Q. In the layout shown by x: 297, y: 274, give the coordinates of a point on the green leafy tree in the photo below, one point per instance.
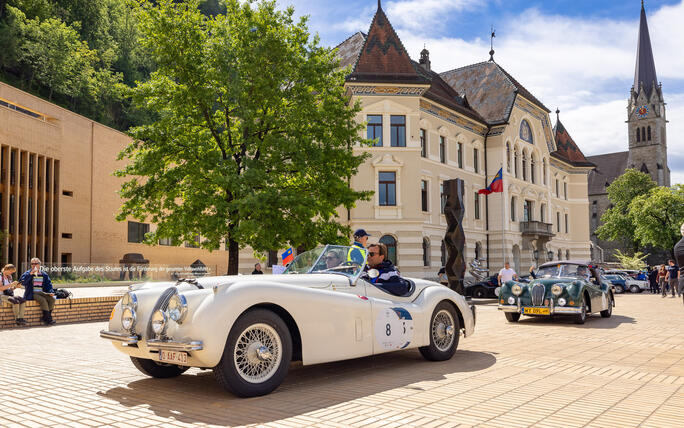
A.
x: 616, y: 223
x: 252, y: 138
x: 658, y: 216
x: 636, y: 261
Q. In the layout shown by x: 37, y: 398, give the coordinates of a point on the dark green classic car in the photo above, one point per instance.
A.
x: 558, y: 288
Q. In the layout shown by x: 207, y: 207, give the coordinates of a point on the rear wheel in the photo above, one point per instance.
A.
x: 635, y: 289
x: 444, y: 333
x: 158, y: 370
x: 512, y: 316
x: 619, y: 289
x: 608, y: 312
x: 256, y: 356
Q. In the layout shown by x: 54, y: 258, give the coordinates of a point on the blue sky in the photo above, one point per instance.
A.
x: 576, y: 55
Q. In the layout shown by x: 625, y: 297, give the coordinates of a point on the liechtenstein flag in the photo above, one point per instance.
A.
x: 287, y: 256
x: 495, y: 186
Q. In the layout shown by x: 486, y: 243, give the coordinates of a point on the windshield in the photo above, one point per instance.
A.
x: 564, y: 270
x: 339, y: 259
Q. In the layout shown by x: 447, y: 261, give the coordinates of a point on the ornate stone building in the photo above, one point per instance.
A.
x: 647, y: 141
x: 465, y: 123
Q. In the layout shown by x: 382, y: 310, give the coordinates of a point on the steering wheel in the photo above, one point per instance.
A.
x: 350, y: 263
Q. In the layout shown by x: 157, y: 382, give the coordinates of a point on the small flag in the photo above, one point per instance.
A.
x: 287, y: 256
x: 495, y: 186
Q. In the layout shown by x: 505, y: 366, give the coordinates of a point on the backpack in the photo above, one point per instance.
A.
x: 62, y: 293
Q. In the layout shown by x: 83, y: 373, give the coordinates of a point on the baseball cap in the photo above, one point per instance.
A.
x: 360, y: 233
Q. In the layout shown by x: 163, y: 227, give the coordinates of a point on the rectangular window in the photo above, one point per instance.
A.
x: 513, y: 201
x: 476, y: 201
x: 68, y: 193
x: 565, y: 190
x: 566, y: 223
x: 424, y: 194
x: 423, y: 143
x: 398, y: 131
x: 137, y: 231
x: 374, y: 130
x: 442, y: 198
x: 67, y: 235
x: 527, y: 214
x: 476, y: 161
x: 557, y: 189
x: 558, y: 222
x: 442, y: 149
x: 166, y: 242
x: 387, y: 188
x: 459, y: 155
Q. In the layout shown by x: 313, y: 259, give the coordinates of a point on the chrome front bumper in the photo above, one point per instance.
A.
x: 560, y: 310
x: 128, y: 339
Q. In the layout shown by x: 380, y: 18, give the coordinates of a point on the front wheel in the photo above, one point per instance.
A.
x: 582, y: 316
x: 608, y: 312
x: 619, y: 289
x: 634, y: 289
x: 257, y: 354
x: 444, y: 333
x: 158, y: 370
x: 512, y: 316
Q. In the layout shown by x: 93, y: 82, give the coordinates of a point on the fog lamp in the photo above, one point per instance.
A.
x: 511, y: 300
x: 128, y: 319
x: 159, y: 322
x: 561, y: 302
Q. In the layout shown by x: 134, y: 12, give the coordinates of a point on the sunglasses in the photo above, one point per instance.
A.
x: 35, y: 264
x: 371, y: 254
x: 332, y: 258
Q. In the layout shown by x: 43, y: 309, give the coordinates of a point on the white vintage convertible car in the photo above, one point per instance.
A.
x: 249, y: 328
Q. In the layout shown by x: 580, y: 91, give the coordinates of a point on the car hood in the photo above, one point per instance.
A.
x: 304, y: 280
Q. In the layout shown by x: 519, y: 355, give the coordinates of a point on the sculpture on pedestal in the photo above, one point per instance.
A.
x: 454, y: 238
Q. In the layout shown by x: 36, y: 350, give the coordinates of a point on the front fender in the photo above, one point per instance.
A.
x: 432, y: 295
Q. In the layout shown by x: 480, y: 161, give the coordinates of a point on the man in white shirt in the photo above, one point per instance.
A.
x: 507, y: 274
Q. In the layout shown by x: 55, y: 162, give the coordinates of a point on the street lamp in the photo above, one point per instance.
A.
x: 550, y: 255
x: 535, y: 254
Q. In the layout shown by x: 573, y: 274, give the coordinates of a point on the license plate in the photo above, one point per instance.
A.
x: 536, y: 311
x: 173, y: 357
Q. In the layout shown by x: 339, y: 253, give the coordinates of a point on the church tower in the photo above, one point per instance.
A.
x: 646, y: 118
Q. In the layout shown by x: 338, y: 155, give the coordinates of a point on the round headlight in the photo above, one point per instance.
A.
x: 556, y: 290
x: 129, y: 300
x: 128, y: 319
x: 561, y: 302
x: 516, y: 289
x: 178, y: 308
x: 511, y: 300
x: 158, y: 321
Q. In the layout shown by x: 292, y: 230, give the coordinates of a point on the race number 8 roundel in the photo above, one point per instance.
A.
x: 393, y: 328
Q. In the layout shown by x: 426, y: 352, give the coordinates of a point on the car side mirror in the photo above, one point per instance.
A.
x: 373, y: 273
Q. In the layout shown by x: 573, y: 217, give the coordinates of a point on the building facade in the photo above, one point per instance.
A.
x: 465, y: 123
x: 647, y: 143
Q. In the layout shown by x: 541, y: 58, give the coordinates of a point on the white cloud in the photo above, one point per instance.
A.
x: 426, y: 15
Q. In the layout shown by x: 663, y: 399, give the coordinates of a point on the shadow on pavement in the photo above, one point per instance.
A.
x: 595, y: 321
x: 197, y: 398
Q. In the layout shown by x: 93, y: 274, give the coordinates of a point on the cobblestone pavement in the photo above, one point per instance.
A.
x: 619, y: 372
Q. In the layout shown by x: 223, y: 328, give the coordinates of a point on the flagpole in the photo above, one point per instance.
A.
x: 503, y: 218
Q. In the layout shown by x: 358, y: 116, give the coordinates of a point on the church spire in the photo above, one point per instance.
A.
x: 645, y: 72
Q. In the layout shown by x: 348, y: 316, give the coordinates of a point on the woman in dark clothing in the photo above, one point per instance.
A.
x: 7, y: 294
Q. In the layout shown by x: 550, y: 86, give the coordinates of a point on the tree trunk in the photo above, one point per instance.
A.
x: 233, y: 257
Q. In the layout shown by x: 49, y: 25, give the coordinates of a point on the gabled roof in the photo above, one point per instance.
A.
x: 566, y: 149
x: 490, y: 90
x: 645, y: 72
x: 609, y: 166
x: 383, y: 57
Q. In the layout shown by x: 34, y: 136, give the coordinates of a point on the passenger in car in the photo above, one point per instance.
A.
x: 389, y: 279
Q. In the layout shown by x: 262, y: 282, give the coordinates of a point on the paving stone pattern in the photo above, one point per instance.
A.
x: 626, y: 371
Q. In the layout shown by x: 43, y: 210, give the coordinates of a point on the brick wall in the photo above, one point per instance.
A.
x: 66, y: 311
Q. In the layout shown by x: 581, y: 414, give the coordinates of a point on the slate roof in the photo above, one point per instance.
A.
x: 566, y: 149
x: 490, y: 90
x: 609, y: 166
x: 645, y: 72
x: 380, y: 57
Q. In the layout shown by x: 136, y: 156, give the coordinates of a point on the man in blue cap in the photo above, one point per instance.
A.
x: 357, y: 252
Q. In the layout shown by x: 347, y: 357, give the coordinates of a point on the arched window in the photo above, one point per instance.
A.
x: 526, y: 132
x: 524, y: 166
x: 638, y: 135
x: 544, y: 171
x: 649, y: 133
x: 426, y: 252
x: 643, y: 133
x: 515, y: 162
x: 391, y: 244
x: 513, y: 202
x: 444, y: 253
x: 508, y: 157
x: 532, y: 167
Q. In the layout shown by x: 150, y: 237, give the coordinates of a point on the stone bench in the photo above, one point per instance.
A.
x: 79, y: 309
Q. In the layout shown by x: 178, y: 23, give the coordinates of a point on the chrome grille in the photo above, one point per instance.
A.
x: 163, y: 304
x: 538, y: 291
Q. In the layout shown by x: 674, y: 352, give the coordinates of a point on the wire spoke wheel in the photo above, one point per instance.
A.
x: 258, y: 352
x: 443, y: 330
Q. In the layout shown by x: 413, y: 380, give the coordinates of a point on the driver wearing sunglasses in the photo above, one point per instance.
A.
x: 389, y: 279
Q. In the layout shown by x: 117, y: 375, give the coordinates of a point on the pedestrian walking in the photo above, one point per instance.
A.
x: 672, y: 277
x: 39, y: 288
x: 506, y: 274
x: 662, y: 285
x: 653, y: 279
x: 7, y: 288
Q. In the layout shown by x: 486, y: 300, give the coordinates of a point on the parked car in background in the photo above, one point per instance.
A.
x: 483, y: 289
x: 618, y: 281
x: 637, y: 286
